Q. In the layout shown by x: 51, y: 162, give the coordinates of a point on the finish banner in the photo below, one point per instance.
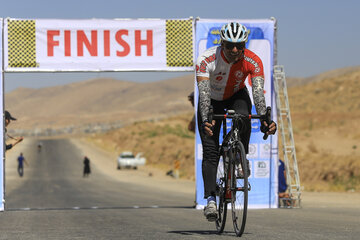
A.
x: 262, y: 154
x: 98, y: 45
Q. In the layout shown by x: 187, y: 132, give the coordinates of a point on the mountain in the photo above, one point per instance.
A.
x: 325, y: 115
x: 98, y: 100
x: 296, y: 81
x: 324, y: 110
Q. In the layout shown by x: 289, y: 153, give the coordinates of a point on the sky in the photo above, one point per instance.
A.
x: 313, y: 36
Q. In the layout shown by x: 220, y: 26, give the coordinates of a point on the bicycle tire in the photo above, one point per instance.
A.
x: 239, y: 188
x: 221, y: 202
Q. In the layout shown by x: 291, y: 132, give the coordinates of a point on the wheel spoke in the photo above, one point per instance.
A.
x: 239, y: 194
x: 220, y: 197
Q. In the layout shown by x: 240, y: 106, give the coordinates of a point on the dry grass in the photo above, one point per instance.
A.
x: 324, y: 116
x: 162, y: 142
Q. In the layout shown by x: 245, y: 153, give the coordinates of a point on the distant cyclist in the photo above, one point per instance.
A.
x: 21, y: 160
x: 221, y: 72
x: 39, y: 146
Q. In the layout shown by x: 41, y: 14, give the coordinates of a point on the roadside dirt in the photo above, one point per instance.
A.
x: 106, y: 164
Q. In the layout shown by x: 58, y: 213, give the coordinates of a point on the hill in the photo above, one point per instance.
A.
x: 98, y: 100
x: 323, y: 112
x: 325, y: 115
x: 295, y: 81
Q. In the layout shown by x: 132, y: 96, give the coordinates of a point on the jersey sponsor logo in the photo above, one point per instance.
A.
x: 237, y: 85
x: 205, y: 62
x: 217, y: 89
x: 239, y: 74
x: 252, y: 61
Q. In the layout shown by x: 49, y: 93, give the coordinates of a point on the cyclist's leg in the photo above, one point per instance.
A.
x: 20, y: 170
x: 241, y: 103
x: 210, y: 152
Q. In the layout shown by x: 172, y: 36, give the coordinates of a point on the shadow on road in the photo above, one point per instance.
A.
x: 207, y: 232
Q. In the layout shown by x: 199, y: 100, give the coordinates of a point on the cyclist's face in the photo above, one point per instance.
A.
x: 233, y: 51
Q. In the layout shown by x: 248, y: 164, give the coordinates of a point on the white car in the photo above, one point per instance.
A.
x: 128, y: 160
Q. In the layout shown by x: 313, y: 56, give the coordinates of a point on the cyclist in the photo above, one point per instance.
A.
x: 39, y: 146
x: 221, y: 72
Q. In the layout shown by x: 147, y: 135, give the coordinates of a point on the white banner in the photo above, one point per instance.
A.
x: 98, y: 45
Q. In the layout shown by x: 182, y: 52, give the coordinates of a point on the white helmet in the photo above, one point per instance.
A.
x: 234, y: 32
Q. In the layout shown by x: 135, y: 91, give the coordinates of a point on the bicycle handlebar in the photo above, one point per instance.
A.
x: 231, y: 114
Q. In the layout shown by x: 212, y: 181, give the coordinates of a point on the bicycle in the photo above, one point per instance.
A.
x: 232, y: 184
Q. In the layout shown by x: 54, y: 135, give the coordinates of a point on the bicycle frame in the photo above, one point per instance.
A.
x: 234, y: 189
x: 230, y: 140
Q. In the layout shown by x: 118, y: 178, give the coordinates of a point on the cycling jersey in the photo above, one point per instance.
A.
x: 227, y: 78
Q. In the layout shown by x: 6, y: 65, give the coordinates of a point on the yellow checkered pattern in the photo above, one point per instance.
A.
x: 21, y: 43
x: 179, y: 43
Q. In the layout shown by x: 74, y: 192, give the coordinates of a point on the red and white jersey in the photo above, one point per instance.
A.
x: 227, y: 78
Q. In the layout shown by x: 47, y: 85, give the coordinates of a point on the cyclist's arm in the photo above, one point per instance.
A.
x: 258, y: 94
x: 204, y: 97
x: 259, y: 100
x: 204, y: 67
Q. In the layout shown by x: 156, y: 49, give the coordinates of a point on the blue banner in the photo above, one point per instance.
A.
x: 2, y: 123
x: 262, y: 154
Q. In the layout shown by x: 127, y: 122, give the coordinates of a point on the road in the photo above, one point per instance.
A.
x: 54, y: 201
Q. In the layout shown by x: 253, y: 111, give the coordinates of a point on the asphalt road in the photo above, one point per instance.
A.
x: 54, y: 201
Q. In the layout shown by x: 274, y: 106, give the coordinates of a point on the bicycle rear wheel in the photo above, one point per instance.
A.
x: 239, y: 190
x: 221, y: 202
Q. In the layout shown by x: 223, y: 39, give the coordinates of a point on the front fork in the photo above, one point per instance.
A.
x: 230, y: 172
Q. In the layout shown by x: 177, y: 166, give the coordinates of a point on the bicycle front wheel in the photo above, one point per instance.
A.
x: 239, y: 189
x: 221, y: 184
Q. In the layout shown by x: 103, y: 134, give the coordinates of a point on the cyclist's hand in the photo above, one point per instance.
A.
x: 208, y: 128
x: 272, y: 127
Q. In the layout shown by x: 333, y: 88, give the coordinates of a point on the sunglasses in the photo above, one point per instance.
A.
x: 230, y: 45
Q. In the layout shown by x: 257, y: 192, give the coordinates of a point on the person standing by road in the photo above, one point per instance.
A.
x: 284, y: 196
x: 191, y: 125
x: 221, y: 72
x: 8, y: 119
x: 21, y: 160
x: 87, y: 169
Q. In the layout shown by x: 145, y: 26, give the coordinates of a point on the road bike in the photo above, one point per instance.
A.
x: 233, y: 171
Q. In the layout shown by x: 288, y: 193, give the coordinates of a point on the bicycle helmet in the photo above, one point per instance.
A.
x: 234, y: 32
